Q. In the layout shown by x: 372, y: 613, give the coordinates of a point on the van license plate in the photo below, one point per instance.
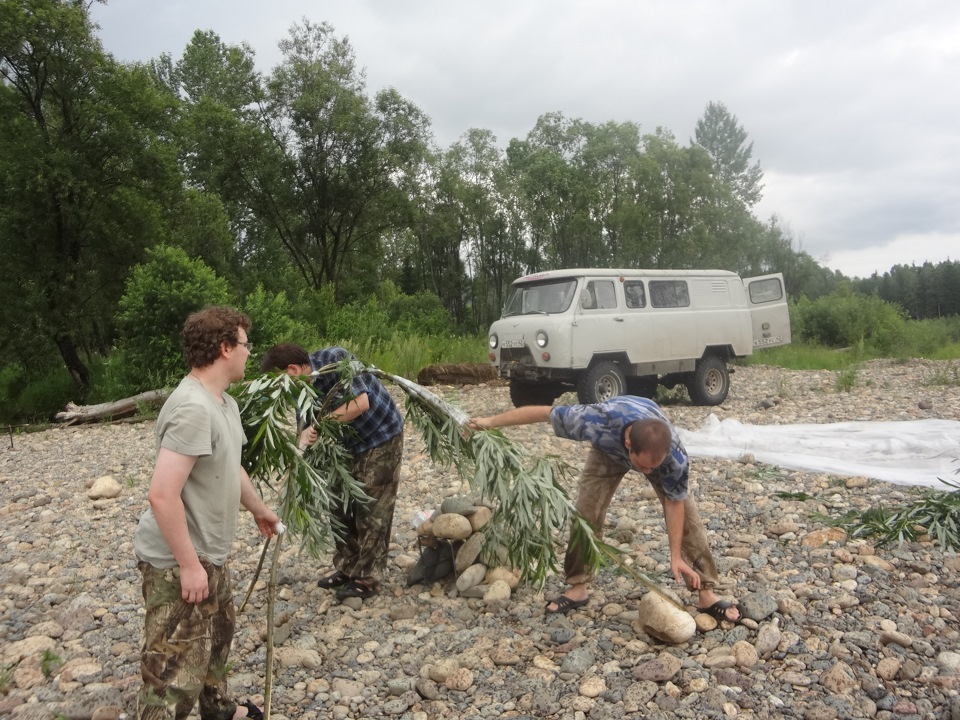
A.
x: 512, y: 344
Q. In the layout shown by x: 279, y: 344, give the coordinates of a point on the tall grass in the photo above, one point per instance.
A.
x: 406, y: 355
x: 808, y: 356
x: 813, y: 356
x: 946, y: 352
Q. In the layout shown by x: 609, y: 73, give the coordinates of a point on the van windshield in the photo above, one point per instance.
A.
x: 546, y: 297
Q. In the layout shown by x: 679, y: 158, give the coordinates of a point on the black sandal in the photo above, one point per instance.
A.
x: 253, y: 712
x: 564, y: 605
x: 334, y: 580
x: 358, y: 589
x: 718, y: 611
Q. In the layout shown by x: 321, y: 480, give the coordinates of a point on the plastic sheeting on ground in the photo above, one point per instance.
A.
x: 910, y: 452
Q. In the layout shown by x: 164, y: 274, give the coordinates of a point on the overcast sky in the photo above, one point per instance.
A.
x: 853, y: 107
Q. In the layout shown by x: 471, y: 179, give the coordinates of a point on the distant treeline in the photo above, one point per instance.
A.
x: 134, y: 193
x: 924, y: 291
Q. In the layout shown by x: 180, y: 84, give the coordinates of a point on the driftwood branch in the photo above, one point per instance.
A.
x: 73, y: 413
x: 457, y: 374
x: 454, y: 374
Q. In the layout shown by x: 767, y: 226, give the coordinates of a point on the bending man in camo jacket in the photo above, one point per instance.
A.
x: 629, y: 433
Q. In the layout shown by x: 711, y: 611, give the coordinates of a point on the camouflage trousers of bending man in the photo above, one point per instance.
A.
x: 362, y: 552
x: 599, y: 481
x: 185, y: 647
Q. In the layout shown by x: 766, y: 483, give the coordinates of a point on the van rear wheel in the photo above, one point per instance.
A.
x: 601, y: 382
x: 710, y: 382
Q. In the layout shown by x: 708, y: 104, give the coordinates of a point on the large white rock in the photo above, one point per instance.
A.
x: 442, y: 669
x: 468, y: 553
x: 472, y: 576
x: 509, y: 576
x: 664, y: 621
x: 104, y: 487
x: 28, y: 647
x: 348, y: 689
x: 461, y: 679
x: 481, y: 517
x: 451, y: 526
x: 498, y: 591
x: 292, y: 657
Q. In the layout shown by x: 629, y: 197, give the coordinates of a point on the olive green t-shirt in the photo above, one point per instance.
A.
x: 194, y: 422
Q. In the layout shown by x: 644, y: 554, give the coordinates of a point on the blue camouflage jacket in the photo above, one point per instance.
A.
x: 604, y: 424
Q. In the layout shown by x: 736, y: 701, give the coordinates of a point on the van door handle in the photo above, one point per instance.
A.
x: 618, y: 319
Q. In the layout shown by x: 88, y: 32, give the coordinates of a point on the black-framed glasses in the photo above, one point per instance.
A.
x: 248, y: 345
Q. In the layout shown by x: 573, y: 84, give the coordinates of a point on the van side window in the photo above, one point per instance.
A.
x: 599, y: 294
x: 669, y: 293
x: 633, y: 290
x: 764, y: 291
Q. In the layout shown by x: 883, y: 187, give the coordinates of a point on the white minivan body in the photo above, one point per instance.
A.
x: 607, y: 332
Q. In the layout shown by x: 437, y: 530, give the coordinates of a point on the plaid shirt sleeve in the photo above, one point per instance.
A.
x: 380, y: 423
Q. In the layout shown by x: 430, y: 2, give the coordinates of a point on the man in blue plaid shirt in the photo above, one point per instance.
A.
x: 628, y: 433
x: 375, y: 441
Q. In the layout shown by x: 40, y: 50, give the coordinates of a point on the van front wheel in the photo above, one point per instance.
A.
x: 601, y: 382
x: 710, y: 382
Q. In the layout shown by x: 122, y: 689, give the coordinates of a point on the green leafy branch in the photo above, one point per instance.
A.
x: 311, y: 483
x: 936, y: 514
x: 532, y: 506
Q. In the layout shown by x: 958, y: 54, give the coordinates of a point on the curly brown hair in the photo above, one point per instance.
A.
x: 205, y: 330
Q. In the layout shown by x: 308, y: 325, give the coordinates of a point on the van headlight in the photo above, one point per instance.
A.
x: 542, y: 339
x: 494, y: 341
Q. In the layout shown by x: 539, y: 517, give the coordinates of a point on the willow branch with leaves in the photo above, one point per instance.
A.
x: 532, y: 508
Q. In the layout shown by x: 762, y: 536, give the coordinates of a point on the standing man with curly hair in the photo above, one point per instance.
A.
x: 375, y: 441
x: 183, y: 539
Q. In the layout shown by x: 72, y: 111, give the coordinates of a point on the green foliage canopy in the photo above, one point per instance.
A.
x: 160, y: 294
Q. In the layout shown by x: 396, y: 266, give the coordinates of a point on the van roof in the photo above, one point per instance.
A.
x: 624, y: 272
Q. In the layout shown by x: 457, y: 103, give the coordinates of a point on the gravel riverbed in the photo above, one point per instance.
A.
x: 834, y: 628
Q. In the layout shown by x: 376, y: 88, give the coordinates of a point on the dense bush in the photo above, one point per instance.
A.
x: 159, y: 295
x: 273, y: 321
x: 388, y: 314
x: 846, y: 320
x: 34, y: 396
x: 421, y: 313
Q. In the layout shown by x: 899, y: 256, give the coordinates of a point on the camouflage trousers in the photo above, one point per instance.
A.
x: 362, y: 552
x: 599, y: 481
x: 185, y: 646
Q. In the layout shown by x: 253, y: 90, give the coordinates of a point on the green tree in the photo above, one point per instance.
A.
x: 436, y: 259
x: 667, y: 227
x: 229, y: 156
x: 160, y: 294
x: 610, y: 155
x: 87, y: 179
x: 492, y: 233
x: 347, y: 163
x: 721, y: 135
x: 554, y: 194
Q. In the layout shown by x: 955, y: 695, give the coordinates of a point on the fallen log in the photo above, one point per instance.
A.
x: 74, y: 413
x: 456, y: 374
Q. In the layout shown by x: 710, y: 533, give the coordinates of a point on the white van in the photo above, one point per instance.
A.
x: 608, y: 332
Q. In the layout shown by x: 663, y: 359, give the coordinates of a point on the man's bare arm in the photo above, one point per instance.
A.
x: 169, y: 476
x: 526, y: 415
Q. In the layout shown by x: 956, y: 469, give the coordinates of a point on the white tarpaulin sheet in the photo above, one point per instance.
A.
x: 910, y: 452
